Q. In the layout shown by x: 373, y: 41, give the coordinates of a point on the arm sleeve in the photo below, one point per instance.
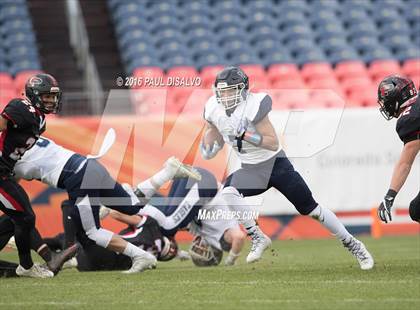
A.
x: 264, y: 108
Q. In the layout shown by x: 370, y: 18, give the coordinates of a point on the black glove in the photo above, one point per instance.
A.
x: 239, y: 141
x: 384, y: 210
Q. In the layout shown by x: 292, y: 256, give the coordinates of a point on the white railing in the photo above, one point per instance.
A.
x: 79, y: 41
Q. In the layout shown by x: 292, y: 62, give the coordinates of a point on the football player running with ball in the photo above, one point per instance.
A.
x: 398, y: 98
x: 241, y: 118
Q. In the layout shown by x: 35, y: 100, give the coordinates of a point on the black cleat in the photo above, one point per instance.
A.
x: 58, y: 259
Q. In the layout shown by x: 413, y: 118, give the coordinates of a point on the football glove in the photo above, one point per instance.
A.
x: 208, y: 152
x: 384, y: 210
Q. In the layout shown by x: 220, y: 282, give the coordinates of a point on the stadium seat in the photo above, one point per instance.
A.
x: 128, y: 10
x: 355, y: 85
x: 19, y: 38
x: 397, y: 41
x: 276, y: 57
x: 364, y: 43
x: 291, y: 6
x: 366, y: 28
x: 24, y: 65
x: 333, y: 44
x: 384, y: 15
x: 6, y: 81
x: 394, y: 28
x: 138, y: 48
x: 405, y: 53
x: 210, y: 59
x: 319, y: 18
x: 350, y: 69
x: 379, y: 53
x: 313, y: 71
x: 6, y: 95
x: 143, y: 61
x: 176, y: 60
x: 282, y: 72
x: 329, y: 83
x: 187, y: 72
x: 325, y: 98
x: 241, y: 57
x: 297, y: 32
x: 366, y: 97
x: 379, y: 69
x: 291, y: 98
x: 300, y: 45
x: 411, y: 67
x: 149, y: 74
x: 291, y: 83
x: 21, y: 79
x: 254, y: 71
x: 208, y: 75
x: 134, y: 36
x: 315, y: 55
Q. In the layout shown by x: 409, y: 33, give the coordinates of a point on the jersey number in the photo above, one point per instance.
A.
x: 407, y: 111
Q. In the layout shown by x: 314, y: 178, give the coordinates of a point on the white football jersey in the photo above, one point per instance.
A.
x: 246, y: 115
x: 212, y: 230
x: 43, y: 162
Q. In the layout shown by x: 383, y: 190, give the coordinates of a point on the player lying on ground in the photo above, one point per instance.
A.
x: 241, y: 118
x: 185, y: 199
x: 146, y: 235
x: 89, y: 185
x: 21, y: 123
x: 179, y: 211
x: 398, y: 97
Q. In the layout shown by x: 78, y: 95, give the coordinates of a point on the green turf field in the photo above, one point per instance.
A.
x: 293, y: 275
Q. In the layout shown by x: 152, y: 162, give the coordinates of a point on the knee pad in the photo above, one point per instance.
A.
x: 414, y: 210
x: 102, y: 237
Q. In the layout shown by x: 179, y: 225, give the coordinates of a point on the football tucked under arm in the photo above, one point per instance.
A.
x: 211, y: 143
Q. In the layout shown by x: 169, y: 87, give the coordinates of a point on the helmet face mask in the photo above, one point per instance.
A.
x: 230, y: 96
x: 169, y: 250
x: 394, y: 94
x: 43, y: 92
x: 203, y: 254
x: 231, y: 87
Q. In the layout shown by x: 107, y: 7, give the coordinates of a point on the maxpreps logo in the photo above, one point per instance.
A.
x: 221, y: 214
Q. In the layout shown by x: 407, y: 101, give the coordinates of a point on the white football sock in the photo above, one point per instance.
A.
x: 132, y: 251
x: 147, y: 188
x: 150, y: 186
x: 237, y: 203
x: 327, y: 218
